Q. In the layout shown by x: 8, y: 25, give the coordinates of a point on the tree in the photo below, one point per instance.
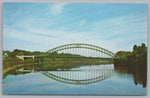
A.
x: 134, y: 47
x: 20, y: 53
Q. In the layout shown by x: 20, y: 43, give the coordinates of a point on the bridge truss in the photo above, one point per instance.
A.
x: 82, y: 49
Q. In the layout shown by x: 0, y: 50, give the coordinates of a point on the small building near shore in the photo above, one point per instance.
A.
x: 23, y: 57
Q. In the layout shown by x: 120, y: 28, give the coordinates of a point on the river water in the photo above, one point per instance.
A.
x: 83, y: 80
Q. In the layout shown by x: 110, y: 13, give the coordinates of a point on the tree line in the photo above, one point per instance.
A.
x: 136, y: 58
x: 20, y: 52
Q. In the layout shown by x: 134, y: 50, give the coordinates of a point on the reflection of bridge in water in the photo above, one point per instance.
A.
x: 79, y: 77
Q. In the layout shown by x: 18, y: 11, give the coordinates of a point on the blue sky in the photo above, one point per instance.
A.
x: 42, y: 26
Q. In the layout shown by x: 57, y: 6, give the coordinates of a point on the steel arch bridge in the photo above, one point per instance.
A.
x: 82, y: 46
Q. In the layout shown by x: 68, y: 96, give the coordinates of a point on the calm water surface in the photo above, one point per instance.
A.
x: 84, y: 80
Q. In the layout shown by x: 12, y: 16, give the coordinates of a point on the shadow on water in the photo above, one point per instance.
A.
x: 139, y: 74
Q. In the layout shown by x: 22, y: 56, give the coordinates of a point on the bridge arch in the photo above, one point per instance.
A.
x: 84, y: 46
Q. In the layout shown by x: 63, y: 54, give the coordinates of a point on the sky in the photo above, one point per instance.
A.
x: 43, y: 26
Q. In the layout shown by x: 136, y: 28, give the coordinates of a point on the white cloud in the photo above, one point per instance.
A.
x: 38, y: 30
x: 58, y: 8
x: 50, y: 38
x: 82, y: 22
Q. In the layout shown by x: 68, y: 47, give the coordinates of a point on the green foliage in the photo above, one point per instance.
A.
x: 21, y: 52
x: 9, y: 62
x: 140, y: 54
x: 55, y: 54
x: 137, y: 57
